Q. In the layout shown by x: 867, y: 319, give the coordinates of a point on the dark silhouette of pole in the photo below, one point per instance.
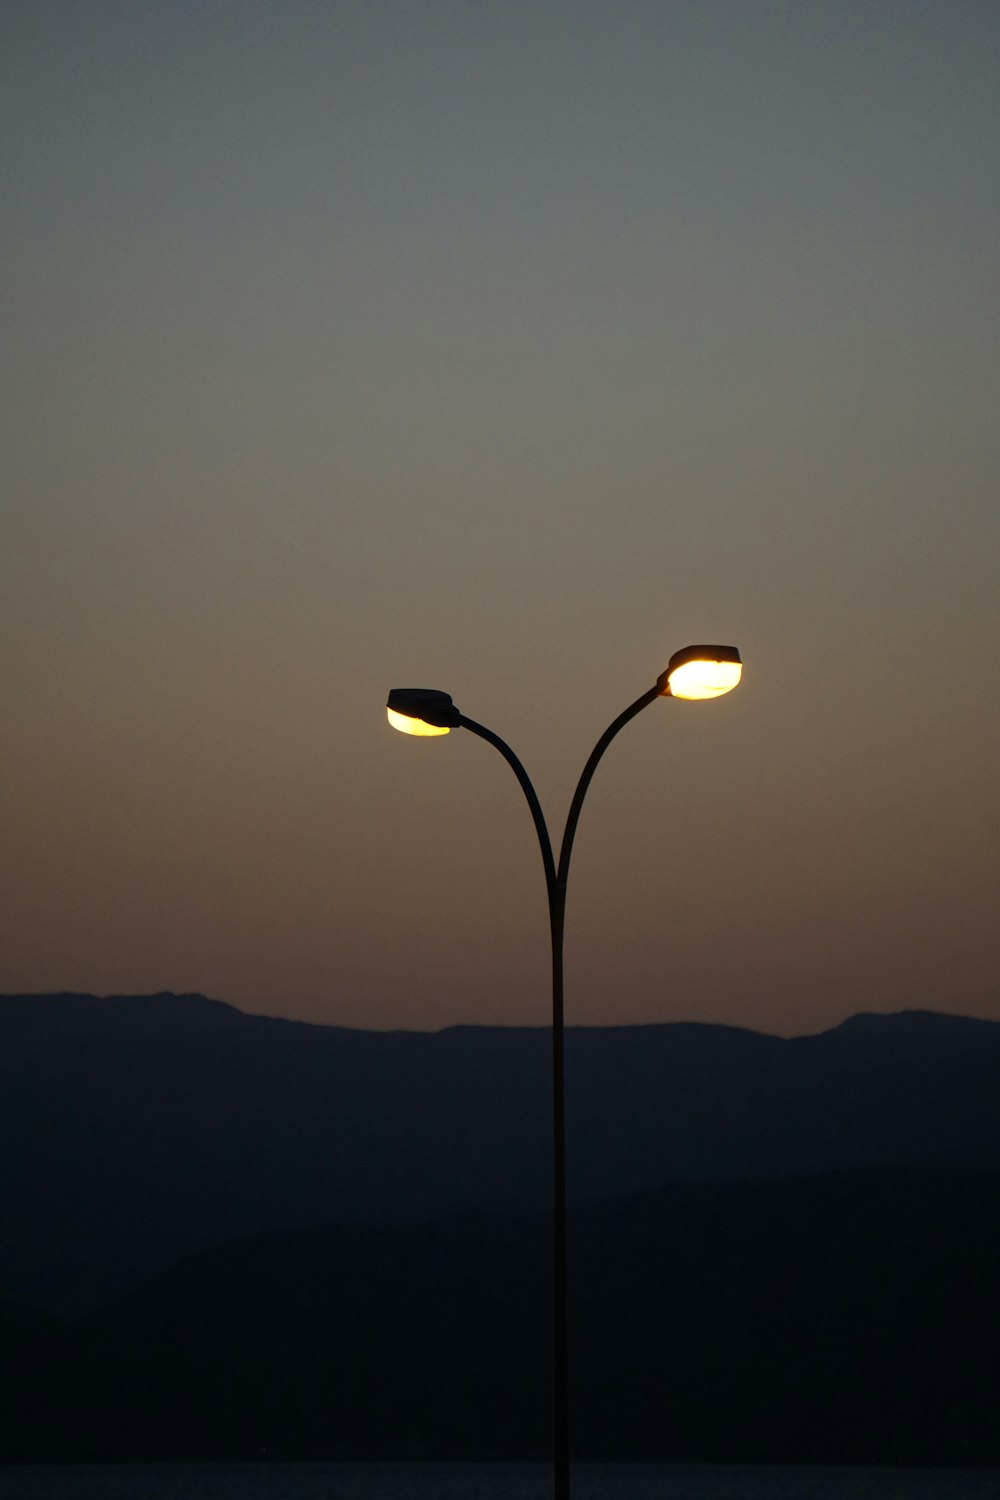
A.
x: 555, y: 885
x: 693, y: 672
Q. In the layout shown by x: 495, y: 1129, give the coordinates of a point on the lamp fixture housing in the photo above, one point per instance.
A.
x: 422, y: 711
x: 698, y: 672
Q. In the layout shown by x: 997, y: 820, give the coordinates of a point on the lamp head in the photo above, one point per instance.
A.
x: 701, y: 672
x: 422, y: 711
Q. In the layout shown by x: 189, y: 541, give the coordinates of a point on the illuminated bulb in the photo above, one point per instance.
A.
x: 407, y: 725
x: 704, y: 679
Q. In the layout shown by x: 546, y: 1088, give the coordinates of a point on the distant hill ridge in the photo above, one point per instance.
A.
x: 138, y: 1129
x: 850, y: 1317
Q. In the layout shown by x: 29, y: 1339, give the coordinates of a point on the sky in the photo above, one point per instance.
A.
x: 502, y: 349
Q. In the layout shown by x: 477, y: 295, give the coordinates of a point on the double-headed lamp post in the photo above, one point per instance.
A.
x: 693, y: 673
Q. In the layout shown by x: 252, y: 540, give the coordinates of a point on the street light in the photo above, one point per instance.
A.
x: 695, y: 672
x: 422, y: 711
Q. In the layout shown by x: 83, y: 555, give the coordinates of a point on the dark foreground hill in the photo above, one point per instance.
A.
x: 134, y: 1131
x: 851, y: 1317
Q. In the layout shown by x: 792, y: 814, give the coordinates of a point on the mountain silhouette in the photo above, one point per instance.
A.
x: 137, y: 1130
x: 849, y: 1317
x: 231, y: 1237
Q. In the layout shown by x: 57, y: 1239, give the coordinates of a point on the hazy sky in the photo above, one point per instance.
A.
x: 502, y: 348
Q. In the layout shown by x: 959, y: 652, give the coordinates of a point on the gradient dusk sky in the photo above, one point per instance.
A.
x: 502, y: 348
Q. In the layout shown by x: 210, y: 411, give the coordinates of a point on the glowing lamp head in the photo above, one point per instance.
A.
x: 701, y: 672
x: 422, y: 711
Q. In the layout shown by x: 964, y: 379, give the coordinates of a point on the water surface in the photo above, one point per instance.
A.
x: 485, y: 1482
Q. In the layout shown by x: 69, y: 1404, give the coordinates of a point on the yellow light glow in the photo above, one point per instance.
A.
x: 704, y: 679
x: 406, y: 725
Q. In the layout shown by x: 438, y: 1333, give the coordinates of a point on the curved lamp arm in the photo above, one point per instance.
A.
x: 555, y: 880
x: 531, y: 795
x: 586, y: 776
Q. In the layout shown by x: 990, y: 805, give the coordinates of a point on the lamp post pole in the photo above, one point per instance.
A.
x: 555, y: 883
x: 425, y: 712
x: 555, y: 886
